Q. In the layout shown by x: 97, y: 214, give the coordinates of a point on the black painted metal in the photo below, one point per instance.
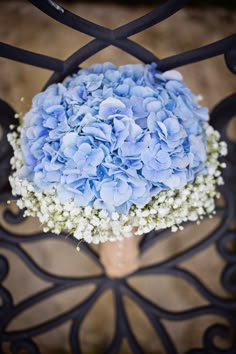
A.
x: 22, y: 341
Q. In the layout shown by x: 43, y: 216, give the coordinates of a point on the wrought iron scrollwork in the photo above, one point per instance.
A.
x: 222, y: 236
x: 7, y: 118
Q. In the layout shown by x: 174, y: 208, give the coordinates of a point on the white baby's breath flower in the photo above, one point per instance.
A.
x: 115, y: 216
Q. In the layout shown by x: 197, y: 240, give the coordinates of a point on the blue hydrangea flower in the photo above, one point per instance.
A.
x: 112, y: 137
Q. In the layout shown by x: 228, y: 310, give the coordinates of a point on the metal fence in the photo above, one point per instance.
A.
x: 22, y: 341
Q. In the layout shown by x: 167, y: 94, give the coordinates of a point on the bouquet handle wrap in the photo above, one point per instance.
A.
x: 120, y: 257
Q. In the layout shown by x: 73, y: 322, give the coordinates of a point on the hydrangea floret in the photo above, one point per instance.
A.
x: 114, y: 151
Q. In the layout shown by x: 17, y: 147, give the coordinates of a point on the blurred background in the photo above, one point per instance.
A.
x: 199, y: 24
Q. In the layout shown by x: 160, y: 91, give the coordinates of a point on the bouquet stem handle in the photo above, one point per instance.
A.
x: 120, y: 257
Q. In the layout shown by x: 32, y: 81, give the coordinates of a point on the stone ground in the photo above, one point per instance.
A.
x: 24, y: 26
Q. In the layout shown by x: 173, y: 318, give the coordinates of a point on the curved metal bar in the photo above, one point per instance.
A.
x: 217, y: 330
x: 183, y: 256
x: 77, y: 311
x: 6, y: 152
x: 13, y: 218
x: 221, y: 245
x: 162, y: 332
x: 71, y: 64
x: 150, y: 239
x: 27, y: 57
x: 6, y: 194
x: 72, y: 20
x: 227, y: 278
x: 24, y: 345
x: 226, y: 303
x: 230, y: 59
x: 123, y: 324
x: 177, y: 315
x: 115, y: 344
x: 35, y: 268
x: 9, y: 237
x: 196, y: 55
x: 7, y: 301
x: 221, y: 115
x: 202, y: 289
x: 91, y: 253
x: 154, y: 17
x: 157, y: 325
x: 46, y: 294
x: 73, y: 337
x: 136, y: 50
x: 4, y: 268
x: 155, y: 236
x: 163, y: 335
x: 8, y: 112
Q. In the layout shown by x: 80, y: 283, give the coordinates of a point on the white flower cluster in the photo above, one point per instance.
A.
x: 169, y: 209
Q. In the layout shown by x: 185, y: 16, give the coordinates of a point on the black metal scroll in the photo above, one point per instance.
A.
x: 22, y: 341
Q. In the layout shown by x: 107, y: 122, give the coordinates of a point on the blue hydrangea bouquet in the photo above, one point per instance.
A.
x: 114, y: 151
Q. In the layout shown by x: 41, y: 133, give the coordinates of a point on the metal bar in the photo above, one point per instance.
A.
x: 71, y: 64
x: 136, y: 50
x: 154, y: 17
x: 76, y: 312
x: 71, y: 20
x: 195, y: 282
x: 46, y: 294
x: 35, y: 268
x: 25, y: 56
x: 196, y: 55
x: 177, y: 315
x: 212, y: 237
x: 124, y: 325
x: 73, y: 336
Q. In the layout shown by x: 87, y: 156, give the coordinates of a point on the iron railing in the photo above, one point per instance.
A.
x: 22, y: 341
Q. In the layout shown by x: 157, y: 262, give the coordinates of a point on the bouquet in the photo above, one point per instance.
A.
x: 114, y: 151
